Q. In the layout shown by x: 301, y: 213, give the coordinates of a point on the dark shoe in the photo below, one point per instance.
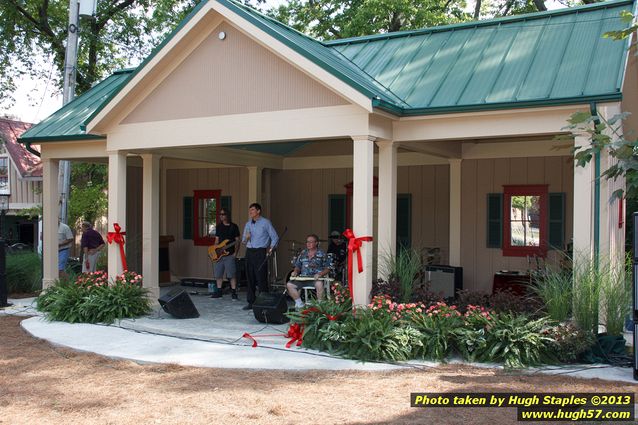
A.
x: 247, y: 307
x: 235, y: 297
x: 217, y: 294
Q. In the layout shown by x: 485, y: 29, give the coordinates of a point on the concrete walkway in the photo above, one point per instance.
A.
x: 215, y: 340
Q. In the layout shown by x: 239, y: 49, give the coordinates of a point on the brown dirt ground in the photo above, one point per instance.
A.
x: 45, y: 384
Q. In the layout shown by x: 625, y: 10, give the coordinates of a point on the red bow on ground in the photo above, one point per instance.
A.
x: 354, y: 246
x: 118, y: 238
x: 295, y: 333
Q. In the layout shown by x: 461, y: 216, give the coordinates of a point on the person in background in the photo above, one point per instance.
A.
x: 65, y: 240
x: 339, y: 250
x: 226, y: 231
x: 92, y: 244
x: 260, y: 238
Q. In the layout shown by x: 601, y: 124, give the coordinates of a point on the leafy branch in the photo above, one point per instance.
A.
x: 606, y: 135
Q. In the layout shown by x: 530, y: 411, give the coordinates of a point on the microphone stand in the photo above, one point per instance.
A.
x: 273, y: 249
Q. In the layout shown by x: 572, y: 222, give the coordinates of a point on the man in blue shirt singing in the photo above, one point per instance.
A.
x: 260, y: 238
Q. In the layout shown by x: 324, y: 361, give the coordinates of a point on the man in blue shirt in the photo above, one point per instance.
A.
x: 260, y: 238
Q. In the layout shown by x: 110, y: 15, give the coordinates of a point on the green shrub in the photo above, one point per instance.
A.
x: 568, y: 341
x: 373, y: 336
x: 437, y: 325
x: 322, y: 323
x: 62, y: 301
x: 90, y: 298
x: 24, y: 272
x: 555, y: 289
x: 471, y: 338
x: 516, y: 341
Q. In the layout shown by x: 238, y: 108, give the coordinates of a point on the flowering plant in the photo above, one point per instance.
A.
x: 341, y: 294
x: 383, y: 304
x: 129, y: 278
x: 92, y: 280
x: 438, y: 324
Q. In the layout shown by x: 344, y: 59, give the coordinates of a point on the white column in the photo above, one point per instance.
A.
x: 50, y: 213
x: 387, y: 210
x: 612, y: 237
x: 163, y: 205
x: 455, y: 212
x: 254, y: 184
x: 583, y: 214
x: 117, y: 207
x: 150, y: 223
x: 362, y: 205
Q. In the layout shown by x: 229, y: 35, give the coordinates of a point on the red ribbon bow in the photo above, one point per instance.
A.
x: 354, y: 245
x: 295, y: 333
x: 118, y: 238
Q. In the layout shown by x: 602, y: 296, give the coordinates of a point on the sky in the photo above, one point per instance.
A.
x: 36, y: 99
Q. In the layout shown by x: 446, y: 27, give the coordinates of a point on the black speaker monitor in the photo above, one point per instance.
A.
x: 270, y: 308
x: 178, y: 304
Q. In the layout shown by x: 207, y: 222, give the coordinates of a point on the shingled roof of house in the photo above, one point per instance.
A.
x: 27, y: 164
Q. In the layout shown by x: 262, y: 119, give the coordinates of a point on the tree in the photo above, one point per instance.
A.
x: 122, y: 33
x: 88, y: 198
x: 333, y: 19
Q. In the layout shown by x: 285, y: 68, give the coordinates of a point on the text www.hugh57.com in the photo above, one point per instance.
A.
x: 572, y: 415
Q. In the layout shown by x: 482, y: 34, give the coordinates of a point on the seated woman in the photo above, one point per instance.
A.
x: 312, y: 262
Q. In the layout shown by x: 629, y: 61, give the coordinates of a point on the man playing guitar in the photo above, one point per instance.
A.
x: 223, y: 253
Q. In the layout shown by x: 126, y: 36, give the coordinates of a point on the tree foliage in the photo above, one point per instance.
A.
x: 122, y: 33
x: 334, y: 19
x: 88, y: 197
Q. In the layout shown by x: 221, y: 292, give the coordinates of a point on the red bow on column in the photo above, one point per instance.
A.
x: 118, y: 238
x: 354, y: 245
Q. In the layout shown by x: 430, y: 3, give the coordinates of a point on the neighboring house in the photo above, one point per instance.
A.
x: 21, y: 181
x: 442, y: 137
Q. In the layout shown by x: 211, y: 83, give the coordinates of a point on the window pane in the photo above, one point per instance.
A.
x: 207, y: 216
x: 525, y: 220
x: 4, y: 175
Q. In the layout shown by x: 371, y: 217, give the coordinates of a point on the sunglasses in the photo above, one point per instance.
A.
x: 222, y: 213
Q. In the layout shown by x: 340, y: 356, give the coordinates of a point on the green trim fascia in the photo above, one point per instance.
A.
x: 403, y: 112
x: 473, y: 24
x: 142, y: 65
x: 72, y: 138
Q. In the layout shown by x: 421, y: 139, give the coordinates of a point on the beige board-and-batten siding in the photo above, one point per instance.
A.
x: 483, y: 176
x: 299, y: 201
x: 234, y: 75
x: 23, y: 192
x: 186, y: 259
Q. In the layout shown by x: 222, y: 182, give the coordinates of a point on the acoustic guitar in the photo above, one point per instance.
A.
x: 216, y: 252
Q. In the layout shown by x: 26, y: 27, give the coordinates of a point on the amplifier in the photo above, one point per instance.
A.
x: 444, y: 279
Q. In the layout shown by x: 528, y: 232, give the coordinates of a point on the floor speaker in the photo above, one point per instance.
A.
x: 270, y: 308
x: 178, y: 304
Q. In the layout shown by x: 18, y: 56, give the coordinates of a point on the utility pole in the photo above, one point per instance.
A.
x: 70, y: 69
x: 76, y: 8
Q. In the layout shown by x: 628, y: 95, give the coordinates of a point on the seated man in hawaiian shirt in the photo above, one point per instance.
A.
x: 312, y: 262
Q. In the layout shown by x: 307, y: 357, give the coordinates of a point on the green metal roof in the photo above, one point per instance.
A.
x: 67, y: 123
x: 540, y: 59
